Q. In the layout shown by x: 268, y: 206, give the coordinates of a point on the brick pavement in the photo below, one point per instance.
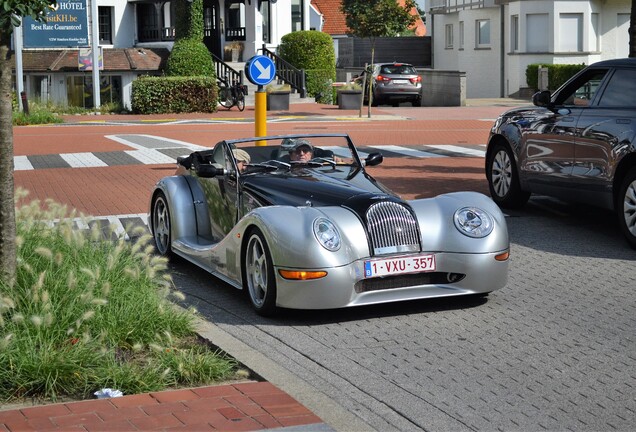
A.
x: 247, y: 406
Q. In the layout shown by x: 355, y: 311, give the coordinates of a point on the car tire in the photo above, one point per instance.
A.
x: 626, y: 207
x: 503, y: 178
x: 417, y: 103
x: 259, y: 277
x: 161, y: 225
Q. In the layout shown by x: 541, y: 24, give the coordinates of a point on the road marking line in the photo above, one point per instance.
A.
x: 83, y: 160
x: 459, y: 149
x: 409, y: 151
x: 21, y: 163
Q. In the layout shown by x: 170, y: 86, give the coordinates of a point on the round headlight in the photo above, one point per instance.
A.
x: 327, y: 234
x: 473, y: 222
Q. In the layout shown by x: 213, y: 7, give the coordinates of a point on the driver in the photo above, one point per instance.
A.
x: 301, y: 151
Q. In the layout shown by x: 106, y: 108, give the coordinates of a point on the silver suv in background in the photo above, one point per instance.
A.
x: 394, y: 83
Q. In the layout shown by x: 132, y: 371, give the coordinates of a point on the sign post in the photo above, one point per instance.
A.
x: 260, y: 70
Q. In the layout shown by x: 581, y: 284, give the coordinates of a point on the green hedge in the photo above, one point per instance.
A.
x: 312, y: 51
x: 557, y: 74
x: 189, y: 19
x: 160, y: 95
x: 190, y: 57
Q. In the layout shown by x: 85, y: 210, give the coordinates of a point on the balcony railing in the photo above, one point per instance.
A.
x: 446, y: 6
x: 235, y: 34
x: 154, y: 34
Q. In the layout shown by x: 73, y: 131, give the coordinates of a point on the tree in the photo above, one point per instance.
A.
x: 632, y: 31
x: 10, y: 11
x: 377, y: 18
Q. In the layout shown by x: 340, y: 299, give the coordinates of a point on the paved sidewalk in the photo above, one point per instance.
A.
x: 248, y: 406
x: 474, y: 109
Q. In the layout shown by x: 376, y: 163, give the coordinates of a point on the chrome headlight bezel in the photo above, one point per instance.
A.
x: 327, y: 234
x: 473, y: 222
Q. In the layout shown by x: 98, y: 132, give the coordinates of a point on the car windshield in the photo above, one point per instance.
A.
x: 288, y: 153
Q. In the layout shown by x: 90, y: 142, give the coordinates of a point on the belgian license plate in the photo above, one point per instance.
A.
x: 399, y: 81
x: 399, y: 265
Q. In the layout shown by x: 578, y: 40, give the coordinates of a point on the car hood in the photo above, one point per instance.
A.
x: 302, y: 187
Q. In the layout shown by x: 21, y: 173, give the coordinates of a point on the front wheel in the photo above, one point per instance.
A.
x: 503, y: 178
x: 259, y: 274
x: 225, y: 97
x: 240, y: 100
x: 626, y: 207
x: 161, y: 225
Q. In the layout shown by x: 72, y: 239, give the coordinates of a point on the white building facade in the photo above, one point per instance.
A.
x: 137, y: 35
x: 493, y: 41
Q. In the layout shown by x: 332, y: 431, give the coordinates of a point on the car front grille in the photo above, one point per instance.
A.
x: 392, y: 228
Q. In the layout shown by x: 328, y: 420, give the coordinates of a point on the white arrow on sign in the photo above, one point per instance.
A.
x: 265, y: 73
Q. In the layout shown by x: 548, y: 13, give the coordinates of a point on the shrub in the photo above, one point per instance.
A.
x: 189, y: 20
x: 557, y: 74
x: 190, y: 57
x: 160, y: 95
x: 312, y: 51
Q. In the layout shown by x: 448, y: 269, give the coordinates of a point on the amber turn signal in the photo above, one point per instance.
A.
x: 302, y: 275
x: 503, y: 256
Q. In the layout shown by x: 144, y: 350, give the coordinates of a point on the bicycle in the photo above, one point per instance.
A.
x: 232, y: 95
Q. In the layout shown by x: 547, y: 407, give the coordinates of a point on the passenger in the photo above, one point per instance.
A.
x: 241, y: 156
x: 242, y: 159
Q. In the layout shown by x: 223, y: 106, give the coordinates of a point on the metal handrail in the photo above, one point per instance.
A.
x: 225, y: 70
x: 287, y: 73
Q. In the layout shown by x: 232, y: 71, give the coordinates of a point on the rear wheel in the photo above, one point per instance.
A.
x: 417, y: 102
x: 259, y: 274
x: 161, y: 225
x: 503, y: 178
x: 626, y: 207
x: 240, y: 100
x: 225, y: 97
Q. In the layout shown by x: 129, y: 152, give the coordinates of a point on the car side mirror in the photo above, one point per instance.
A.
x: 542, y: 98
x: 209, y: 171
x: 374, y: 159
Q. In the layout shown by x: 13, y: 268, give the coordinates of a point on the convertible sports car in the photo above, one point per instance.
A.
x: 319, y: 232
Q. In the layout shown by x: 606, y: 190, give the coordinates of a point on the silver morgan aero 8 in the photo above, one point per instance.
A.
x: 298, y: 222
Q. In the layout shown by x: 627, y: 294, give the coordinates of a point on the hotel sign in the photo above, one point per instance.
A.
x: 65, y: 26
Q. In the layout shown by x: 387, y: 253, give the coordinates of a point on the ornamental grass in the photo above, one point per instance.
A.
x: 91, y: 310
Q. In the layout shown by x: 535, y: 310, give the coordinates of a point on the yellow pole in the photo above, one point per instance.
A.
x: 260, y: 115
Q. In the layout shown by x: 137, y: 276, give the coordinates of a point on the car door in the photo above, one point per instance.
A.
x: 548, y: 147
x: 605, y: 133
x: 221, y: 194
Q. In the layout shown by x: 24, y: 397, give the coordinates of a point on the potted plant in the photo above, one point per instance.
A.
x: 349, y: 96
x: 278, y: 97
x: 235, y: 48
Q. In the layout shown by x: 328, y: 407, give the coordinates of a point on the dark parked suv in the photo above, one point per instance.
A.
x: 576, y: 144
x: 394, y: 83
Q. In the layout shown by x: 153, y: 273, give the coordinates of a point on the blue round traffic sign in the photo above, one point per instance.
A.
x: 260, y: 70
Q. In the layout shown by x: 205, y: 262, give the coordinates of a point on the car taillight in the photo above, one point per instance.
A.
x: 382, y: 78
x: 416, y: 79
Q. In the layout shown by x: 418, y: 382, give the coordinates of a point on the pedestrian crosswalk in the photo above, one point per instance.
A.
x: 155, y: 150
